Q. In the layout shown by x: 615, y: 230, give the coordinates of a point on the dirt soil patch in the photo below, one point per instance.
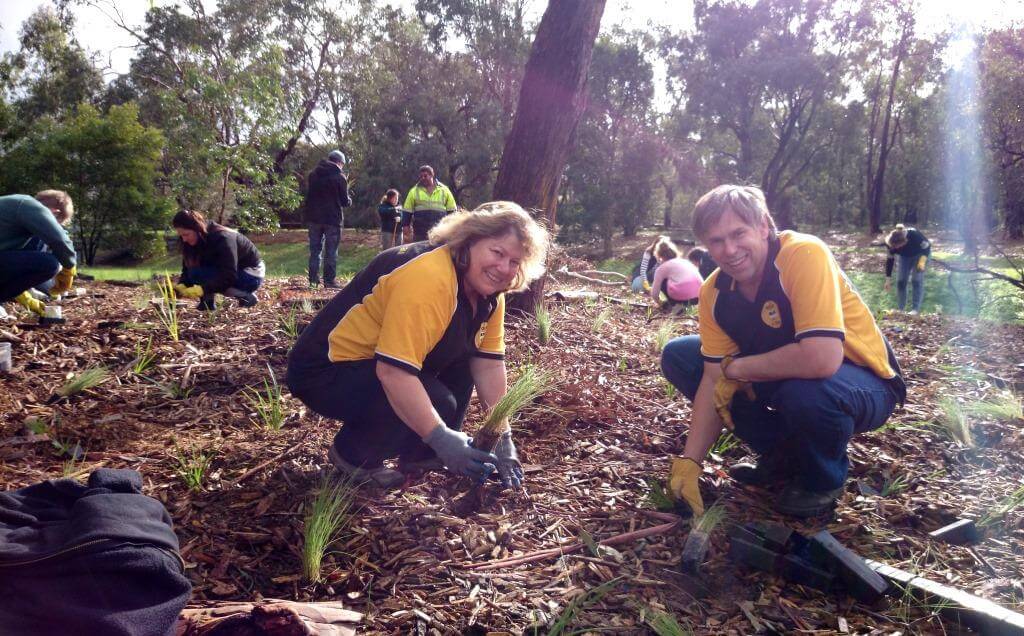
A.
x: 611, y: 426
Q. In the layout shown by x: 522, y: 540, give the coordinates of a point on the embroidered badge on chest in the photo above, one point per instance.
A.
x: 770, y: 314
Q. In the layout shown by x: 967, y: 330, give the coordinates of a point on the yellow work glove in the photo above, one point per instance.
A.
x: 920, y: 262
x: 63, y: 281
x: 683, y: 483
x: 195, y: 291
x: 647, y: 285
x: 725, y: 389
x: 25, y: 300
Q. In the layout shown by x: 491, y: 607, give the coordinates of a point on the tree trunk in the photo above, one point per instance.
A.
x: 885, y: 142
x: 552, y: 99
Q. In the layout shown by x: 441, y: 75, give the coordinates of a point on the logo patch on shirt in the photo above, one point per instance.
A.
x: 770, y: 314
x: 480, y: 335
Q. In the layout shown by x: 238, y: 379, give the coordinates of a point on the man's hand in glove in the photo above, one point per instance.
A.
x: 63, y: 281
x: 683, y: 483
x: 921, y: 263
x: 725, y: 389
x: 509, y: 468
x: 195, y: 291
x: 453, y: 448
x: 25, y: 300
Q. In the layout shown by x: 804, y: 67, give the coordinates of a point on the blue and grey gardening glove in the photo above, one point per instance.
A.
x: 453, y: 448
x: 509, y: 468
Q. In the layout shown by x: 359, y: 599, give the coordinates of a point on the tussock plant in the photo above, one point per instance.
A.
x: 531, y: 384
x: 1005, y: 507
x: 84, y: 380
x: 601, y: 319
x: 167, y: 310
x: 327, y: 518
x: 568, y: 615
x: 1004, y: 407
x: 954, y: 422
x: 658, y: 496
x: 269, y: 405
x: 543, y: 317
x: 144, y: 357
x: 664, y: 624
x: 289, y: 324
x: 711, y: 519
x: 725, y: 443
x: 670, y: 389
x: 663, y: 335
x: 193, y: 465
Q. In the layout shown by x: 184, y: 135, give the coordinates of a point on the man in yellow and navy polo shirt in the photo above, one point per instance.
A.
x: 428, y: 201
x: 789, y: 357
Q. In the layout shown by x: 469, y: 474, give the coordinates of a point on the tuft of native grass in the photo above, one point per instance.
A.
x: 328, y: 516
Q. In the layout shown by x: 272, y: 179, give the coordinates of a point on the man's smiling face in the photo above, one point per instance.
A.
x: 739, y: 249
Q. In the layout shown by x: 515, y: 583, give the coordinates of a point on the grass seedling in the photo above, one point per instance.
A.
x: 37, y: 426
x: 144, y: 358
x: 663, y: 335
x: 327, y: 518
x: 725, y: 443
x: 895, y: 485
x: 670, y: 389
x: 84, y: 380
x: 710, y: 520
x: 568, y: 615
x: 623, y: 365
x: 289, y: 324
x: 954, y: 422
x: 601, y: 318
x: 658, y: 496
x: 543, y: 317
x: 664, y: 624
x: 167, y: 309
x: 192, y: 466
x: 269, y: 405
x: 1005, y: 507
x: 531, y: 384
x: 1004, y: 407
x: 306, y: 306
x: 175, y: 390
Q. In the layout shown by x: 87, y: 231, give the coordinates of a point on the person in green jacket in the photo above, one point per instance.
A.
x: 23, y: 221
x: 428, y: 201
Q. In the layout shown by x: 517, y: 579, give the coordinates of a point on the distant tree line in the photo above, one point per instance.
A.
x: 841, y: 112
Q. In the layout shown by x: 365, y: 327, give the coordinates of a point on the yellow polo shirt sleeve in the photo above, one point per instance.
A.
x: 715, y: 344
x: 812, y: 281
x: 490, y: 339
x: 417, y: 311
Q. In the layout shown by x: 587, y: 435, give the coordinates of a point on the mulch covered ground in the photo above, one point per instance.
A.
x: 412, y: 564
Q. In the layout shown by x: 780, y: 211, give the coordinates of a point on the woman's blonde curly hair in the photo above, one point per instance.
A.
x: 460, y: 230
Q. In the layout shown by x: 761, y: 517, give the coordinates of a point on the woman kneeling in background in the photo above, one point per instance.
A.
x: 216, y: 259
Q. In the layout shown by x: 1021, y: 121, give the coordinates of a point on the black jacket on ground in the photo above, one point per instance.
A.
x: 89, y: 559
x: 223, y: 249
x: 327, y: 195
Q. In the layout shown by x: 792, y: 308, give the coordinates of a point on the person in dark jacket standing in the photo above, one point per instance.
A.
x: 327, y: 195
x: 391, y: 220
x: 216, y: 260
x: 913, y: 249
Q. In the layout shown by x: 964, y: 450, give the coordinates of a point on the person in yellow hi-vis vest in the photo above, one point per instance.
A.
x: 428, y: 201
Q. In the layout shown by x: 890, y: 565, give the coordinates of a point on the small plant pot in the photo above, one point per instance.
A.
x: 5, y: 357
x: 79, y: 291
x: 53, y: 312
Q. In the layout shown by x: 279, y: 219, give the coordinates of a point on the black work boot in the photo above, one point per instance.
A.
x: 797, y: 502
x: 769, y: 469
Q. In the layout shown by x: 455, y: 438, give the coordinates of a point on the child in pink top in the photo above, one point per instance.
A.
x: 678, y: 278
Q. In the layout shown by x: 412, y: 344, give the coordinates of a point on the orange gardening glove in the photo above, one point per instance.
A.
x: 921, y: 262
x: 683, y: 483
x: 62, y: 282
x: 725, y: 389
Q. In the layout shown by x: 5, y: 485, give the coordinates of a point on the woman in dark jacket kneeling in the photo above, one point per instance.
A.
x: 216, y: 260
x: 396, y: 354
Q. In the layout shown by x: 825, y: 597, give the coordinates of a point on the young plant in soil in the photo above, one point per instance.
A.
x: 167, y: 310
x: 144, y: 358
x: 531, y: 384
x: 193, y: 465
x: 725, y: 443
x: 601, y: 319
x: 84, y: 380
x: 568, y: 615
x: 543, y: 317
x: 289, y: 324
x: 269, y: 405
x: 327, y: 518
x: 954, y: 422
x: 1014, y: 501
x: 664, y: 624
x: 1005, y: 407
x: 663, y: 335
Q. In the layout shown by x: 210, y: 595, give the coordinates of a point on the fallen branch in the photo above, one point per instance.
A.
x: 597, y: 272
x: 564, y: 271
x: 540, y: 555
x: 249, y: 473
x: 1016, y: 282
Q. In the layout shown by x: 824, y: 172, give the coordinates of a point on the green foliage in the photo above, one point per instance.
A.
x: 954, y: 423
x: 107, y: 163
x: 658, y: 496
x: 664, y: 624
x: 669, y: 388
x: 664, y: 333
x: 532, y: 383
x: 167, y: 308
x: 144, y: 357
x: 192, y: 466
x: 327, y: 518
x: 543, y: 317
x: 1010, y: 503
x: 269, y: 405
x: 895, y: 485
x: 85, y: 380
x: 1004, y: 406
x: 289, y: 323
x: 578, y: 604
x: 725, y: 443
x: 601, y: 319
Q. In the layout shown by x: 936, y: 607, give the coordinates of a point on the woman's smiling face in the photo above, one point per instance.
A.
x: 493, y: 264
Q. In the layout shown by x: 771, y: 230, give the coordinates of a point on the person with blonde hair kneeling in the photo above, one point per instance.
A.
x: 396, y: 354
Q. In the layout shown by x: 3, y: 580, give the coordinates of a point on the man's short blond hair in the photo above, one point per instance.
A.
x: 746, y: 202
x: 59, y: 202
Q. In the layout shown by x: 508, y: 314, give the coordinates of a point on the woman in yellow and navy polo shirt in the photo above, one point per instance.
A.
x: 396, y: 354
